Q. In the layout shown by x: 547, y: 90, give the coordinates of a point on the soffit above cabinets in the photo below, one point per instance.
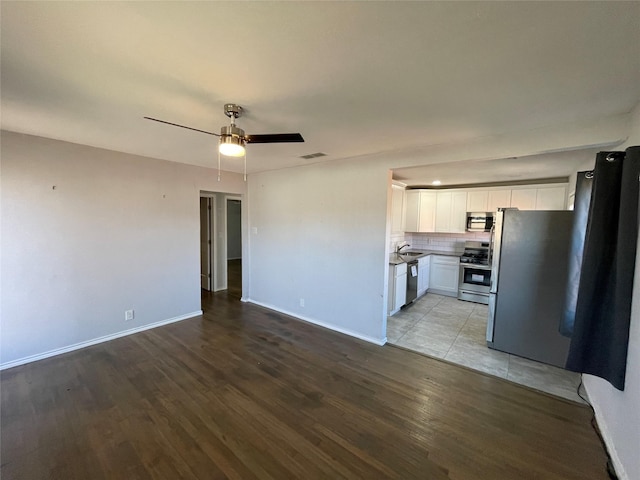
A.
x: 547, y: 168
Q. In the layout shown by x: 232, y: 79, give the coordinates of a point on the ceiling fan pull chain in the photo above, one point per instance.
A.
x: 218, y: 165
x: 245, y: 165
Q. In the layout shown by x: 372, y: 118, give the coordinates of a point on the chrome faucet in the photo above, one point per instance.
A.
x: 401, y: 247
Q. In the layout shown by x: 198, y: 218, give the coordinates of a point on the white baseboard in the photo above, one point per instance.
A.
x: 88, y: 343
x: 351, y: 333
x: 446, y: 293
x: 608, y: 440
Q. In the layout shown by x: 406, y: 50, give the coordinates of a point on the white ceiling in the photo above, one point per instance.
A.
x: 355, y: 78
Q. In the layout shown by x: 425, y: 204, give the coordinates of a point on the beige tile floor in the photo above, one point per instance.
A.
x: 447, y: 328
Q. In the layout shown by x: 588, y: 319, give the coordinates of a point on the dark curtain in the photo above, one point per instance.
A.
x: 600, y: 337
x: 584, y: 182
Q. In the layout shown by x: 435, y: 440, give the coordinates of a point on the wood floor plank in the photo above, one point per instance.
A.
x: 247, y: 393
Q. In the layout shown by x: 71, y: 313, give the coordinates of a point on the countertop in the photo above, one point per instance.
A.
x: 395, y: 259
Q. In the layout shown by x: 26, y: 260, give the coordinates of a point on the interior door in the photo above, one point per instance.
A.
x: 205, y: 243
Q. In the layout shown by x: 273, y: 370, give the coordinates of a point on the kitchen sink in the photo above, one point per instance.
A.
x: 411, y: 254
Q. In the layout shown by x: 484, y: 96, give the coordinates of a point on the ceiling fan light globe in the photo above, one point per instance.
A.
x: 231, y: 147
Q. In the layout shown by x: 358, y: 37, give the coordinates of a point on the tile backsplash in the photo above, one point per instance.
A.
x: 444, y: 242
x: 398, y: 239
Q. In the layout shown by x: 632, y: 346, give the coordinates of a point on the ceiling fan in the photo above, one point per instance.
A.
x: 233, y: 139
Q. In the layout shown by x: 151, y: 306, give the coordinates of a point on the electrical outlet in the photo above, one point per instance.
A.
x: 128, y: 315
x: 302, y: 302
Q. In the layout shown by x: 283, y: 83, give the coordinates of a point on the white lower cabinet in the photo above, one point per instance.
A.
x: 443, y: 275
x: 397, y: 296
x: 423, y: 274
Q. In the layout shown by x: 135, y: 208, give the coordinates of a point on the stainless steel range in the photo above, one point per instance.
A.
x: 475, y: 273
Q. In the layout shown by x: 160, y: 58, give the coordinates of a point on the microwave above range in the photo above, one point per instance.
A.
x: 479, y: 221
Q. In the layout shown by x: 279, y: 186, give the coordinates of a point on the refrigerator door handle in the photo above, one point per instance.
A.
x: 496, y: 236
x: 491, y: 318
x: 491, y: 236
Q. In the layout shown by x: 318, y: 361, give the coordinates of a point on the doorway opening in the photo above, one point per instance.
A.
x: 207, y: 236
x: 234, y: 247
x: 220, y: 245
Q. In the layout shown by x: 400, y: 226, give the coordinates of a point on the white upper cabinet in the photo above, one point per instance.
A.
x: 524, y: 198
x: 427, y: 217
x: 446, y: 210
x: 411, y: 210
x: 443, y: 212
x: 477, y: 201
x: 498, y: 199
x: 397, y: 209
x: 489, y: 200
x: 451, y: 212
x: 540, y: 198
x: 551, y: 198
x: 420, y: 211
x: 459, y: 212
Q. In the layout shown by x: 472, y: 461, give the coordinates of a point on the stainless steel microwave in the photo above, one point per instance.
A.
x: 479, y: 221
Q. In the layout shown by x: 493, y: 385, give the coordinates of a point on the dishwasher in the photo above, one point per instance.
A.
x: 412, y: 281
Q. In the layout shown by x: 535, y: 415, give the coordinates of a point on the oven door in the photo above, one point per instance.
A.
x: 475, y: 283
x: 475, y: 277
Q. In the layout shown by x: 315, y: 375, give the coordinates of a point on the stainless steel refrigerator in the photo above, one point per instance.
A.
x: 529, y: 271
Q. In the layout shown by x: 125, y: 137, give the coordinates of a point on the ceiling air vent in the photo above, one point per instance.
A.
x: 313, y: 155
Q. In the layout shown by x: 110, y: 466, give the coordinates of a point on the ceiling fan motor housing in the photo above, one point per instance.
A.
x: 232, y: 110
x: 232, y: 131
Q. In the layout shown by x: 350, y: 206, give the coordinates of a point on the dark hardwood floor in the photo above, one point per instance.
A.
x: 246, y: 393
x: 234, y: 278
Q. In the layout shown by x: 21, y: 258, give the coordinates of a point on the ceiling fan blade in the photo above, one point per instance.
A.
x: 182, y: 126
x: 274, y: 138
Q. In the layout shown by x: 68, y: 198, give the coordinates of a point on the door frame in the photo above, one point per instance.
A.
x: 223, y: 238
x: 213, y: 261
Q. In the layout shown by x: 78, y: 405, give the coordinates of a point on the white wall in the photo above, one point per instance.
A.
x: 618, y: 413
x: 89, y: 233
x: 318, y: 233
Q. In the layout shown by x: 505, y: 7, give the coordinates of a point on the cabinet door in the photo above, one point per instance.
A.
x: 397, y: 207
x: 423, y: 275
x: 477, y: 201
x: 444, y: 276
x: 443, y: 211
x: 552, y: 198
x: 451, y: 212
x: 427, y: 212
x: 400, y: 297
x: 524, y: 198
x: 411, y: 210
x: 426, y: 267
x: 391, y: 292
x: 458, y: 220
x: 498, y: 199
